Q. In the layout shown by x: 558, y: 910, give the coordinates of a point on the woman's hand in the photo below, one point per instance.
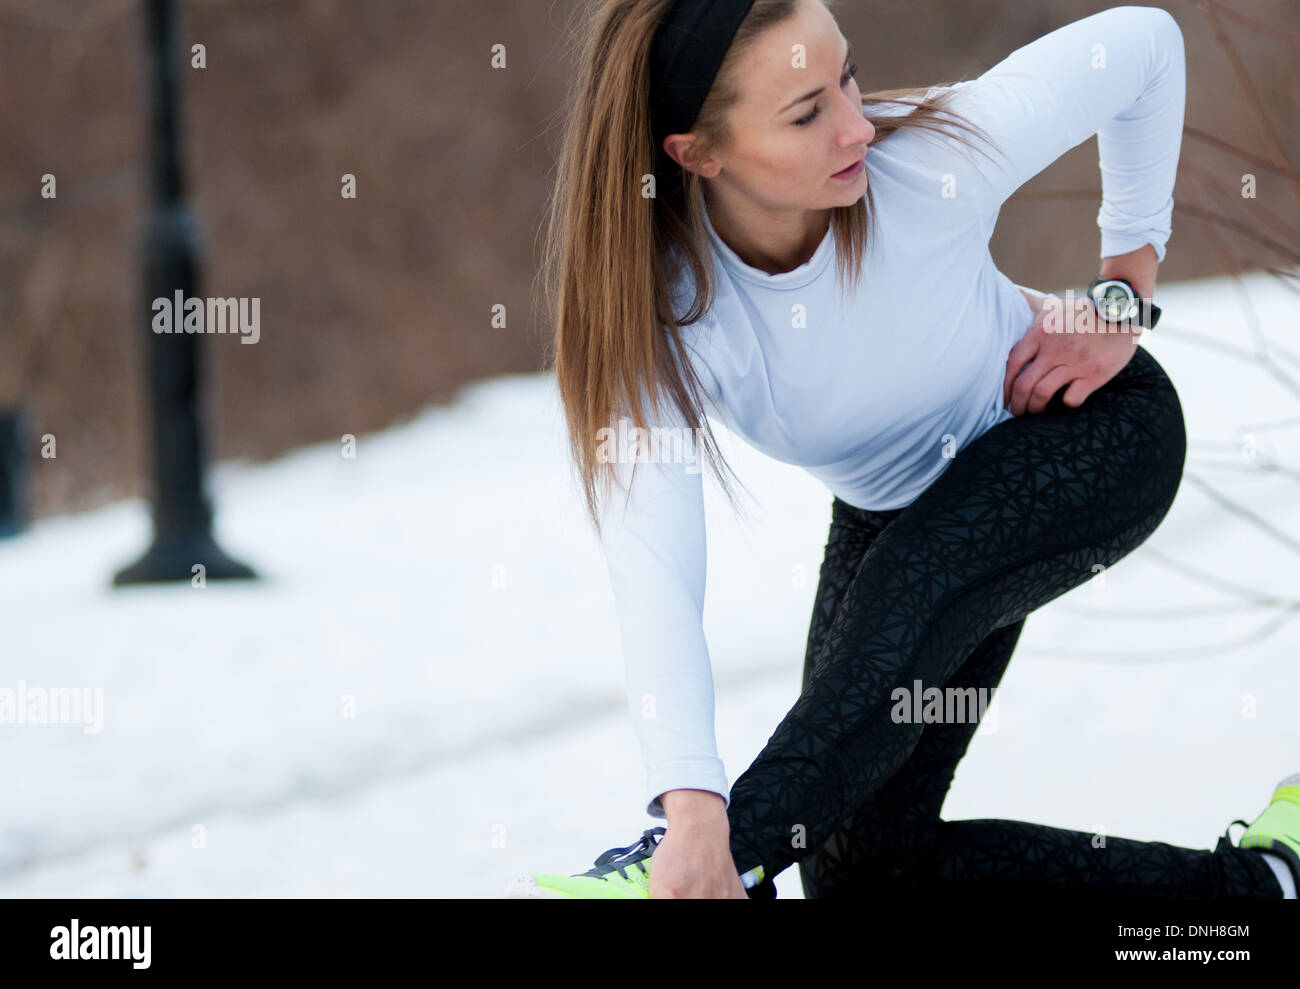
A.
x: 694, y: 864
x: 693, y: 858
x: 1042, y: 362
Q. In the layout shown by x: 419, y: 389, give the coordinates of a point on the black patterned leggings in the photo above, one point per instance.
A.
x: 938, y: 592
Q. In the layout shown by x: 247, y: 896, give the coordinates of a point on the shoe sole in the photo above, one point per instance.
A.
x: 526, y: 888
x: 1282, y: 850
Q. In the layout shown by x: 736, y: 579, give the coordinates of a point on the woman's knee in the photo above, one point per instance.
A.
x: 1161, y: 419
x: 1141, y: 408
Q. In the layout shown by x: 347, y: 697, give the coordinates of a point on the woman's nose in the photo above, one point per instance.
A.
x: 857, y: 119
x: 861, y: 131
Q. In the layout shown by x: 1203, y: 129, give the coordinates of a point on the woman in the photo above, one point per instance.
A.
x: 717, y: 156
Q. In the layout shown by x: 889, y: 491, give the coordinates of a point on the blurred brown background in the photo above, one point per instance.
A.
x: 374, y: 307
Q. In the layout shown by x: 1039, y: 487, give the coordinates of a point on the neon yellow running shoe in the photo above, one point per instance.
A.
x: 619, y: 874
x: 1277, y: 830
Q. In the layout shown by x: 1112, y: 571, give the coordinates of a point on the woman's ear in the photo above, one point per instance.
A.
x: 681, y: 149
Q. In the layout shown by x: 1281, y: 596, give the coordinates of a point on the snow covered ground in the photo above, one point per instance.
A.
x: 424, y: 696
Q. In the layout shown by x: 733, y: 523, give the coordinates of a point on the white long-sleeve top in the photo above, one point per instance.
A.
x: 867, y: 394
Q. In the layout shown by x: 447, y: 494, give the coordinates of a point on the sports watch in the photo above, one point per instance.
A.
x: 1117, y: 301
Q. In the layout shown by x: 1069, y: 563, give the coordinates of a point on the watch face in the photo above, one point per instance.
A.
x: 1114, y: 303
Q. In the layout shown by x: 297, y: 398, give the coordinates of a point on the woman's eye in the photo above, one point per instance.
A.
x: 805, y: 121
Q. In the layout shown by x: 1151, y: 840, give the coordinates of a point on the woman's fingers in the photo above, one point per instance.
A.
x: 1078, y: 391
x: 1047, y: 386
x: 1020, y: 355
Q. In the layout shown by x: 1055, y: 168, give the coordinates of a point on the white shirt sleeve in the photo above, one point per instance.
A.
x: 1119, y: 74
x: 653, y: 538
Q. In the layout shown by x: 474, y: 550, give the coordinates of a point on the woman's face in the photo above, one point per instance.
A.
x: 798, y: 121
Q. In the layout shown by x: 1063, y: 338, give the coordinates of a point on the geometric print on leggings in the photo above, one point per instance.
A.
x: 939, y: 591
x: 897, y: 841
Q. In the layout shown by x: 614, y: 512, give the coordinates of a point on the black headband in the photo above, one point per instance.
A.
x: 687, y: 51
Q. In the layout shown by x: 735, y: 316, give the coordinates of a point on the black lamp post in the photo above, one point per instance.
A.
x: 182, y: 516
x: 13, y: 497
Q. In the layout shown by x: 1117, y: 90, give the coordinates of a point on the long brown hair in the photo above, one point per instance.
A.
x: 608, y: 267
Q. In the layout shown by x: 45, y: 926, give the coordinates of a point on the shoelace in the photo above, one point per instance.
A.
x: 1216, y: 869
x: 633, y: 854
x: 1227, y: 834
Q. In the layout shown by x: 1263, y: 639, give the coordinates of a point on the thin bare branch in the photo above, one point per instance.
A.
x: 1289, y: 253
x: 1198, y: 576
x: 1282, y: 538
x: 1268, y: 467
x: 1115, y: 657
x: 1258, y: 336
x: 1184, y: 611
x: 1262, y: 163
x: 1283, y: 250
x: 1253, y: 102
x: 1286, y: 277
x: 1233, y: 195
x: 1272, y: 30
x: 1264, y: 427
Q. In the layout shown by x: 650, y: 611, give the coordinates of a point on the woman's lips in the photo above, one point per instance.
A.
x: 852, y: 171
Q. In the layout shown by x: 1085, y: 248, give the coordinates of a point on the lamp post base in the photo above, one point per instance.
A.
x: 174, y: 559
